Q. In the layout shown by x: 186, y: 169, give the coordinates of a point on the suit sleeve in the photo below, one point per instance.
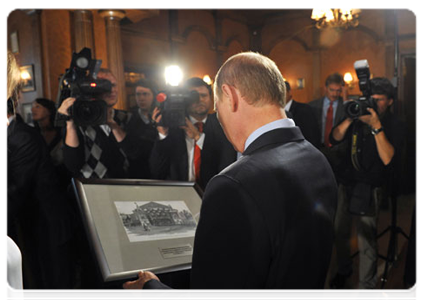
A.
x: 307, y: 121
x: 224, y: 254
x: 160, y: 158
x: 24, y: 159
x: 74, y: 157
x: 135, y: 147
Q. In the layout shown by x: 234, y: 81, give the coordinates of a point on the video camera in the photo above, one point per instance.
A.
x: 174, y: 104
x: 357, y: 108
x: 80, y: 81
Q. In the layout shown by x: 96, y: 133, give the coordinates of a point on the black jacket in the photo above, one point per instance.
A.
x: 169, y: 157
x: 304, y: 117
x: 32, y: 188
x: 267, y: 220
x: 372, y: 171
x: 147, y: 134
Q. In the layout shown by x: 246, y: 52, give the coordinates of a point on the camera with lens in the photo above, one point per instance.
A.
x: 358, y: 107
x: 80, y: 82
x: 174, y: 103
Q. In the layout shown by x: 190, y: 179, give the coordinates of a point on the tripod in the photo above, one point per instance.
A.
x: 394, y: 230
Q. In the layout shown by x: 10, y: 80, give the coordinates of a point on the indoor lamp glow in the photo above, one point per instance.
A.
x: 173, y: 75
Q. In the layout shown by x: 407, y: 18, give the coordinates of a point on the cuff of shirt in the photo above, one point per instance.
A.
x: 200, y: 141
x: 162, y: 136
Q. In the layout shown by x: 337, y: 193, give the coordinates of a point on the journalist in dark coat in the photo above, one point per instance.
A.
x: 39, y: 218
x: 267, y: 220
x: 169, y: 159
x: 304, y: 117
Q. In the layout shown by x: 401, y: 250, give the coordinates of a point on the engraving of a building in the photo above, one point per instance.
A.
x: 157, y: 214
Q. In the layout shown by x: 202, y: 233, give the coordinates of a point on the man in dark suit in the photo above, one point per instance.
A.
x: 39, y: 219
x: 329, y: 112
x: 174, y: 154
x: 304, y: 117
x: 142, y: 126
x: 266, y: 220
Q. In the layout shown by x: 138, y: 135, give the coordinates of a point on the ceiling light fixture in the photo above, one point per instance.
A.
x: 336, y: 17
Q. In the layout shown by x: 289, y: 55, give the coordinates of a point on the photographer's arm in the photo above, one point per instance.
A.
x: 117, y: 131
x: 339, y: 131
x: 71, y: 138
x: 192, y: 132
x: 384, y: 148
x: 157, y: 117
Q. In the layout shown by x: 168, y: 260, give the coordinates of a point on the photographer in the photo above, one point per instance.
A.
x: 142, y: 125
x: 100, y: 151
x: 374, y: 142
x: 177, y: 150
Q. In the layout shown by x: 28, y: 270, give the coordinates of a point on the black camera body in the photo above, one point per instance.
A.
x: 358, y: 107
x: 80, y: 81
x: 174, y: 103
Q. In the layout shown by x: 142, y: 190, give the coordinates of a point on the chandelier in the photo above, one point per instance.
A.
x: 335, y: 18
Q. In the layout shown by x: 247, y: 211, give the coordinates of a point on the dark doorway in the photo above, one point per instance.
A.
x: 407, y: 112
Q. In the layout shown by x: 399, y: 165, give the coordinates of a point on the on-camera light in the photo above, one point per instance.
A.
x: 173, y: 75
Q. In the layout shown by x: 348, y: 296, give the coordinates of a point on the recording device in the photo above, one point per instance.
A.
x: 80, y: 81
x: 357, y: 108
x: 174, y: 104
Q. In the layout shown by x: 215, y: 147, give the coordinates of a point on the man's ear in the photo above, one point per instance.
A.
x: 231, y: 93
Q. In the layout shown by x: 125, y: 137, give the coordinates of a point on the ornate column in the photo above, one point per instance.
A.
x: 114, y: 51
x: 220, y: 49
x: 317, y: 88
x: 83, y: 20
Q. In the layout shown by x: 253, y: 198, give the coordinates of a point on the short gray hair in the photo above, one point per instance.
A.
x: 256, y: 76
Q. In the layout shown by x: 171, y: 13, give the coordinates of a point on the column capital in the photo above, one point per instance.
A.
x: 112, y: 14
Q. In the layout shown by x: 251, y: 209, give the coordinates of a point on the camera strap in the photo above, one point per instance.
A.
x: 355, y: 146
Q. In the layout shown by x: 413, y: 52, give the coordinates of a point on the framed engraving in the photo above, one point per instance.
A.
x: 137, y: 225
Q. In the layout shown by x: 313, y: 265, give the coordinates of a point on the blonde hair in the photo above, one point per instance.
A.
x: 256, y: 77
x: 13, y: 76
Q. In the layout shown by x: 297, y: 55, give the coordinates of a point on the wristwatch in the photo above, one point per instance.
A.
x: 376, y: 131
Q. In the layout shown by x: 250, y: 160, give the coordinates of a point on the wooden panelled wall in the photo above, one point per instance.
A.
x: 201, y: 40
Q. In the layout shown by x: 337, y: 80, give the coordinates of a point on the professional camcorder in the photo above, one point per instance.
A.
x: 80, y: 81
x: 174, y: 103
x: 357, y: 108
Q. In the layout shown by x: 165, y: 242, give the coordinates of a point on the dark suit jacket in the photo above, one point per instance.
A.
x: 267, y: 220
x: 317, y: 106
x: 334, y: 154
x: 32, y: 188
x: 169, y: 157
x: 39, y: 220
x: 304, y: 117
x: 147, y: 135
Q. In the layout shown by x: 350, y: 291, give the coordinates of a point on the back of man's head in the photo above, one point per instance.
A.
x: 197, y: 82
x: 256, y: 77
x: 382, y: 86
x: 334, y: 78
